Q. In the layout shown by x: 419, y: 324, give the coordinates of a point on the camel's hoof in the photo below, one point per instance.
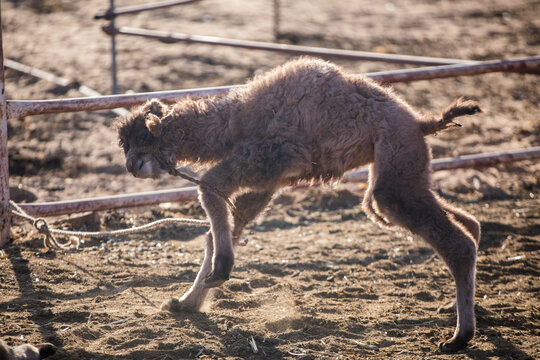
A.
x: 223, y: 265
x: 215, y: 280
x: 175, y: 306
x: 453, y: 345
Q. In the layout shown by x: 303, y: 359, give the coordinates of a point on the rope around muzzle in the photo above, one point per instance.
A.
x: 50, y: 241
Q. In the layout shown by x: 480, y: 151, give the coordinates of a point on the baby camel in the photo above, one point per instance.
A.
x: 306, y: 120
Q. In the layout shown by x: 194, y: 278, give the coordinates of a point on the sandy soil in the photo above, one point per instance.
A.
x: 317, y: 280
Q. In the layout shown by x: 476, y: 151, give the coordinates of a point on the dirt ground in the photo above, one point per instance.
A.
x: 317, y: 280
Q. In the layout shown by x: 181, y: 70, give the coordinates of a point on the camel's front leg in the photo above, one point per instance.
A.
x: 218, y: 256
x: 225, y: 178
x: 238, y: 171
x: 193, y: 299
x: 223, y: 257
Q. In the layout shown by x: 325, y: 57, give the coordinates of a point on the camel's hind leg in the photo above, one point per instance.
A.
x: 470, y: 224
x: 468, y: 221
x: 401, y: 191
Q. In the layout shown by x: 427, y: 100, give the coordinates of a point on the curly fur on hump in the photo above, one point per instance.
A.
x: 306, y: 120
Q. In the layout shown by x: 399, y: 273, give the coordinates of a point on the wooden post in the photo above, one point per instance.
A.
x: 5, y: 218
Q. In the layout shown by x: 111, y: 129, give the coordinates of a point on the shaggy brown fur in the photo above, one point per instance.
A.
x: 306, y: 120
x: 26, y: 351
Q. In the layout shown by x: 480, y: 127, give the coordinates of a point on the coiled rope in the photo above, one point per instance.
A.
x: 50, y: 242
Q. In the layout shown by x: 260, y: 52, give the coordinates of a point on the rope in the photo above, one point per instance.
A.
x: 175, y: 172
x: 50, y: 241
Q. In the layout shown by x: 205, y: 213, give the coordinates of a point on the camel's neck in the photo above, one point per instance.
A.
x: 198, y: 130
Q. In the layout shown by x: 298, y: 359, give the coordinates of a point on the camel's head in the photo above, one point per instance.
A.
x: 139, y: 134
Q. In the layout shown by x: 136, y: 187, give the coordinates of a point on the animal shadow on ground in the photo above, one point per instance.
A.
x: 40, y: 309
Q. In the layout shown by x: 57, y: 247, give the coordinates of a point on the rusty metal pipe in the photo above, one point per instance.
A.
x: 61, y: 81
x: 285, y: 48
x: 20, y: 108
x: 465, y: 161
x: 525, y: 65
x: 190, y: 193
x: 110, y: 14
x: 5, y: 222
x: 110, y: 202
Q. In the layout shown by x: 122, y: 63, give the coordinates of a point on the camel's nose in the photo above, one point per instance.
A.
x: 129, y: 165
x: 134, y: 164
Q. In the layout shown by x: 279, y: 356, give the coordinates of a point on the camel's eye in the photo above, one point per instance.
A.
x: 126, y: 147
x: 144, y: 135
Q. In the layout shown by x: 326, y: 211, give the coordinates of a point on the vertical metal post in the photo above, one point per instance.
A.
x: 276, y: 19
x: 5, y: 219
x: 113, y: 52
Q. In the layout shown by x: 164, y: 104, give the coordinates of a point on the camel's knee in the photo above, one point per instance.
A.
x: 469, y: 222
x: 372, y: 213
x: 473, y: 226
x: 464, y: 219
x: 387, y: 201
x: 223, y: 265
x: 391, y: 207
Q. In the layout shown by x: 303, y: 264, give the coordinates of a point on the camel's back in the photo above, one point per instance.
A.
x: 290, y: 97
x: 310, y: 96
x: 334, y: 116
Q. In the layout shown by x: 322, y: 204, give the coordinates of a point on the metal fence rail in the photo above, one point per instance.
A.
x: 190, y: 193
x: 284, y: 48
x: 112, y: 12
x: 465, y: 161
x: 20, y: 108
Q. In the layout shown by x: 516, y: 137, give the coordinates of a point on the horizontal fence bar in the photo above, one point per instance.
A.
x: 190, y: 193
x: 61, y: 81
x: 285, y: 48
x: 522, y: 65
x: 40, y: 74
x: 21, y: 108
x: 465, y: 161
x: 110, y: 202
x: 108, y: 14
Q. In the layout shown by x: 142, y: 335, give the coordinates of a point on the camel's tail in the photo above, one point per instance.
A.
x: 459, y: 107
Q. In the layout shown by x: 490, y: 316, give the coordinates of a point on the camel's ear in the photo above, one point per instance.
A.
x: 153, y: 124
x: 156, y: 107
